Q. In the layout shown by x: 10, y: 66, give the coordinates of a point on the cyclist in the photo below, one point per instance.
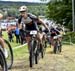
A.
x: 55, y: 33
x: 31, y: 23
x: 1, y: 39
x: 2, y: 43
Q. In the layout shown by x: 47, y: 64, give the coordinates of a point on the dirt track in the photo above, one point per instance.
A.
x: 51, y: 62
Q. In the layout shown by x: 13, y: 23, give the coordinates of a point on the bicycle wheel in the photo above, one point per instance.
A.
x: 8, y: 54
x: 36, y: 58
x: 36, y: 53
x: 55, y: 47
x: 3, y: 64
x: 60, y: 47
x: 31, y: 57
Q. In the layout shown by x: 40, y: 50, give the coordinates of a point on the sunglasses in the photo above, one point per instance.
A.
x: 23, y: 11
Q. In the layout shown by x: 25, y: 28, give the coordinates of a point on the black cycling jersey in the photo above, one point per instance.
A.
x: 54, y: 32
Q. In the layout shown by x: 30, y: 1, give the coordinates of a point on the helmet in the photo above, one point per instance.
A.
x: 23, y: 8
x: 58, y: 25
x: 1, y: 16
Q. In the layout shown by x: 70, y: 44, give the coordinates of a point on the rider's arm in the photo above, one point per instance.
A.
x: 44, y: 24
x: 57, y: 31
x: 19, y: 23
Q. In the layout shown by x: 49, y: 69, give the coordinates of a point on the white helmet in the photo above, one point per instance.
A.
x: 23, y: 8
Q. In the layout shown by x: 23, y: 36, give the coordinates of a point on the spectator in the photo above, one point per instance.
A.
x: 10, y: 36
x: 17, y: 34
x: 22, y: 35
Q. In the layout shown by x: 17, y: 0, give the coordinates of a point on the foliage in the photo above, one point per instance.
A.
x: 12, y: 8
x: 69, y: 37
x: 38, y: 10
x: 61, y: 12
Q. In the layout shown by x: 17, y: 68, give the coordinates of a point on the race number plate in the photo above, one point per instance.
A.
x: 33, y: 32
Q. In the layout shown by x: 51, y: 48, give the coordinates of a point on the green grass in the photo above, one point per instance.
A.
x: 21, y: 53
x: 18, y: 53
x: 69, y: 38
x: 65, y: 60
x: 5, y: 36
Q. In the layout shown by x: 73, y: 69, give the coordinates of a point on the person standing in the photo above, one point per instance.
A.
x: 17, y: 34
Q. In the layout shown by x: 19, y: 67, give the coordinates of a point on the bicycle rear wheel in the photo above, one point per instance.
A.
x: 36, y: 53
x: 55, y: 47
x: 3, y: 64
x: 60, y: 47
x: 8, y: 54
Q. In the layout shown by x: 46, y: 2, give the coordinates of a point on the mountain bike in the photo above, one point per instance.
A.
x: 33, y: 48
x: 57, y: 44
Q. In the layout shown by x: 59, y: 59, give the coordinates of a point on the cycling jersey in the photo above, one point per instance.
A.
x: 30, y: 22
x: 54, y: 32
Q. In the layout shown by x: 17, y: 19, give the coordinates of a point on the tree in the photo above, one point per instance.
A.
x: 60, y: 11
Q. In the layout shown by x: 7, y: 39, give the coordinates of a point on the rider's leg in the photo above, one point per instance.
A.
x: 45, y: 39
x: 40, y: 37
x: 2, y: 42
x: 28, y: 41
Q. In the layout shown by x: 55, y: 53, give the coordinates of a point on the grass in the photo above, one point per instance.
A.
x: 69, y: 39
x: 5, y: 36
x: 18, y: 53
x: 60, y: 62
x: 21, y: 52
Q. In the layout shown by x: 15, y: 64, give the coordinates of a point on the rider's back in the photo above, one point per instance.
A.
x: 54, y: 32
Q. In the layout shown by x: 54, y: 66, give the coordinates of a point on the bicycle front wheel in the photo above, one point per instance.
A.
x: 31, y: 57
x: 3, y: 64
x: 8, y: 54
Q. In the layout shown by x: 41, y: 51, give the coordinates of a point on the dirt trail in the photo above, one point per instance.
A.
x: 51, y: 62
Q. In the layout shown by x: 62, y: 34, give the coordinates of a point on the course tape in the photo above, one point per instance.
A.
x: 26, y: 44
x: 19, y: 46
